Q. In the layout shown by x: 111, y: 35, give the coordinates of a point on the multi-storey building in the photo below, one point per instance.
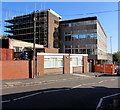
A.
x: 77, y: 36
x: 44, y: 24
x: 84, y: 36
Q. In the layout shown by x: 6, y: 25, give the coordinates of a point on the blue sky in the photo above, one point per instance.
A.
x: 71, y: 10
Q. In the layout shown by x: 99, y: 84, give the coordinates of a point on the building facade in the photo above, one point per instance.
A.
x: 42, y: 24
x: 84, y: 36
x: 18, y: 45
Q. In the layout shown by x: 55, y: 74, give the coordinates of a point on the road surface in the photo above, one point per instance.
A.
x: 82, y: 94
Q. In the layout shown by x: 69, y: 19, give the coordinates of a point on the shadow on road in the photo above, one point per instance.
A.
x: 58, y: 98
x: 109, y: 75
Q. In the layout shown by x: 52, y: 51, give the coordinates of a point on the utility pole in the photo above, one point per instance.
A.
x: 34, y: 49
x: 111, y: 43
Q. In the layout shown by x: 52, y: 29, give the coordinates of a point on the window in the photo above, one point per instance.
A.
x: 68, y: 38
x: 17, y: 49
x: 74, y: 61
x: 53, y: 62
x: 70, y: 25
x: 89, y: 51
x: 76, y: 36
x: 67, y: 50
x: 82, y: 36
x: 67, y: 46
x: 77, y: 61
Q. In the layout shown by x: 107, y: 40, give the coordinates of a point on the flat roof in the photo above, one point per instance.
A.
x: 79, y: 19
x: 84, y: 19
x: 28, y: 15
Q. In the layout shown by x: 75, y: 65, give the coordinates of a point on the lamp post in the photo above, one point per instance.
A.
x: 111, y: 43
x: 34, y: 49
x: 111, y: 47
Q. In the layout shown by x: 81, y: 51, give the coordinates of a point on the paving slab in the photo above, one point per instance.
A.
x: 48, y: 79
x: 43, y: 79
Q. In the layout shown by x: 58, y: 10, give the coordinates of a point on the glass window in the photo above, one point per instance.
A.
x: 80, y: 61
x: 68, y: 38
x: 82, y: 36
x: 53, y: 62
x: 89, y: 51
x: 76, y: 36
x: 74, y: 61
x: 77, y: 61
x: 17, y: 49
x: 84, y: 51
x: 70, y: 25
x: 67, y: 46
x: 67, y: 50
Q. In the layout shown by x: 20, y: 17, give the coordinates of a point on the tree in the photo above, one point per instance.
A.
x: 5, y: 37
x: 116, y: 57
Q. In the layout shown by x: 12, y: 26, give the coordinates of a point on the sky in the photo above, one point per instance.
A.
x: 71, y: 10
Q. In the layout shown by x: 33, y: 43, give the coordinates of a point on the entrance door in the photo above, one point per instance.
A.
x: 71, y: 68
x: 90, y: 67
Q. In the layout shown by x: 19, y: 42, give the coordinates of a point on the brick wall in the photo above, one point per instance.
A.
x: 40, y: 65
x: 14, y: 70
x: 52, y: 71
x: 85, y: 64
x: 66, y: 69
x: 78, y: 69
x: 51, y: 29
x: 47, y: 50
x: 6, y: 54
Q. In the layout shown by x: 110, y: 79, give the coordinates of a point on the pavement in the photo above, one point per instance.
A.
x: 47, y: 79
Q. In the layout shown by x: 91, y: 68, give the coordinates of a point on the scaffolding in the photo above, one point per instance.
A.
x: 22, y: 27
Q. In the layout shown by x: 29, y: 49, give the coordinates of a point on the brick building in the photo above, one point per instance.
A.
x: 75, y: 36
x: 44, y: 22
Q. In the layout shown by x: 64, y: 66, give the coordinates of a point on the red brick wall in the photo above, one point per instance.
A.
x: 2, y: 54
x: 40, y: 65
x: 85, y: 63
x: 47, y: 50
x: 6, y: 54
x: 66, y: 69
x: 9, y: 54
x: 78, y: 69
x: 14, y: 70
x: 53, y: 71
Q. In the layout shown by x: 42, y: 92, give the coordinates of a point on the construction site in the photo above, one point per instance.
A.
x: 41, y: 25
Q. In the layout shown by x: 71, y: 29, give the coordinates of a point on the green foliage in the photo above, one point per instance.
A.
x: 5, y: 37
x: 116, y: 57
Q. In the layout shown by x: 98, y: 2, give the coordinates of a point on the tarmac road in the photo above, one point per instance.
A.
x: 81, y: 94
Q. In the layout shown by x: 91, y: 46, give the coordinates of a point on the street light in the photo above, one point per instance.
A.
x: 111, y: 43
x: 111, y: 46
x: 34, y: 53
